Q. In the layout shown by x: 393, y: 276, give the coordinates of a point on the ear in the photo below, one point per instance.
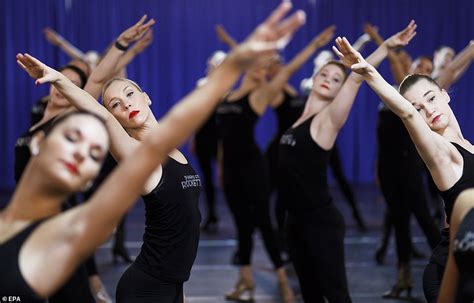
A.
x: 147, y: 98
x: 445, y: 93
x: 35, y: 143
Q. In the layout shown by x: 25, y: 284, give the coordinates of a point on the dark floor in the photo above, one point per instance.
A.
x: 212, y: 274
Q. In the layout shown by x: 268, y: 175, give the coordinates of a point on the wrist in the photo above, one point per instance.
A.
x: 121, y: 44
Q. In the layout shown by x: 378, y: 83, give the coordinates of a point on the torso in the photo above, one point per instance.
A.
x: 463, y: 251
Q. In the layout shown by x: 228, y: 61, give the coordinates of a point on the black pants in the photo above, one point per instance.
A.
x: 205, y: 157
x: 402, y: 187
x: 433, y: 274
x: 316, y: 243
x: 247, y: 194
x: 271, y: 156
x: 136, y: 286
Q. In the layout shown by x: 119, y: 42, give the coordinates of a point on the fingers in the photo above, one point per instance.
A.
x: 142, y: 19
x: 145, y: 27
x: 337, y: 52
x: 34, y: 61
x: 290, y: 24
x: 278, y: 13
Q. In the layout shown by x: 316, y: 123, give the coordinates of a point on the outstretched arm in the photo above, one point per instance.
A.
x: 398, y: 72
x: 266, y: 93
x: 57, y: 40
x: 224, y: 36
x: 431, y: 146
x: 90, y: 224
x: 338, y: 111
x: 136, y: 49
x: 457, y: 67
x: 108, y: 65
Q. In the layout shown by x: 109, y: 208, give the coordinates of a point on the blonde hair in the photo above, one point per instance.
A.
x: 108, y: 83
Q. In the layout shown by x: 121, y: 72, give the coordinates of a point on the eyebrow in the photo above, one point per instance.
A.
x: 127, y: 86
x: 430, y: 91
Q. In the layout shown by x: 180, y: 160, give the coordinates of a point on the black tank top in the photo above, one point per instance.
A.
x: 466, y: 181
x: 206, y: 137
x: 303, y: 170
x: 22, y: 149
x: 12, y: 282
x: 289, y: 111
x: 236, y: 121
x: 464, y: 255
x: 172, y: 221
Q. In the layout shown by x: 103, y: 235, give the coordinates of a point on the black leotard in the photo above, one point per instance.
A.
x: 464, y: 255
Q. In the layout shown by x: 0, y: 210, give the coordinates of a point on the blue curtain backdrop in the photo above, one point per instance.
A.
x: 184, y: 38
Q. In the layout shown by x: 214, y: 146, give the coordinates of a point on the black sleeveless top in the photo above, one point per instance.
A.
x: 236, y: 122
x: 466, y: 181
x: 289, y: 111
x: 206, y: 137
x: 22, y: 149
x: 303, y: 170
x: 172, y: 221
x: 12, y: 282
x: 464, y: 255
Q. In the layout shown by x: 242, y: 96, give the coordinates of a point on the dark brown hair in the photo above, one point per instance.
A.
x: 411, y: 80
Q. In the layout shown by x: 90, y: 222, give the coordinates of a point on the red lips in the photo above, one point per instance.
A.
x: 133, y: 114
x: 325, y: 86
x: 436, y: 119
x: 72, y: 168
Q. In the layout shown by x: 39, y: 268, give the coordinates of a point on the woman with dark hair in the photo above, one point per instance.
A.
x: 316, y: 227
x: 423, y: 107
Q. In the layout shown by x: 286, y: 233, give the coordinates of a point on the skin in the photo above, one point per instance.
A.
x: 63, y: 241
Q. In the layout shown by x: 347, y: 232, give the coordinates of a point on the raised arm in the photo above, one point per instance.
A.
x: 136, y: 49
x: 108, y: 65
x: 431, y: 146
x: 339, y: 109
x: 224, y: 36
x: 266, y: 93
x: 398, y: 72
x: 57, y: 40
x: 457, y: 67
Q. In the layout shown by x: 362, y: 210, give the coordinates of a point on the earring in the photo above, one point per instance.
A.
x: 35, y: 151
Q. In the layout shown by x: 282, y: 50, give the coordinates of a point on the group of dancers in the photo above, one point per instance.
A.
x: 63, y: 152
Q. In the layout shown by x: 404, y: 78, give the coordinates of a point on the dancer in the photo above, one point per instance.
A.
x: 449, y: 68
x: 458, y: 278
x: 194, y: 109
x: 423, y: 107
x: 316, y: 228
x: 204, y: 146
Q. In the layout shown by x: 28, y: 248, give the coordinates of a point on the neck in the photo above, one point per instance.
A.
x: 32, y: 200
x: 50, y: 112
x: 140, y: 133
x: 249, y: 84
x: 314, y: 105
x: 453, y: 132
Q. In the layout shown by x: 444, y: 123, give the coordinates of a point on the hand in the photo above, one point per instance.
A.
x: 52, y: 36
x: 350, y: 57
x: 402, y: 38
x: 135, y: 32
x: 38, y: 70
x: 274, y: 33
x: 222, y: 35
x: 325, y: 36
x: 371, y: 30
x: 144, y: 42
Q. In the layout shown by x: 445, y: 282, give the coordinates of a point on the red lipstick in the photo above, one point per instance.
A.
x: 133, y: 114
x: 436, y: 119
x: 72, y: 168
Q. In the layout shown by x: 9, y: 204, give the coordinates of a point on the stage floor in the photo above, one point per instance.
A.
x: 213, y: 275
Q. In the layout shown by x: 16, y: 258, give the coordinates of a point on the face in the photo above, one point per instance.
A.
x: 73, y: 152
x: 443, y: 57
x: 431, y: 103
x: 423, y: 66
x: 274, y: 66
x: 328, y: 81
x: 259, y: 73
x: 127, y: 104
x: 56, y: 98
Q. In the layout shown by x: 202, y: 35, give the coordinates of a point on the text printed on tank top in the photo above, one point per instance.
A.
x: 229, y: 109
x: 191, y: 181
x: 288, y: 140
x: 466, y: 244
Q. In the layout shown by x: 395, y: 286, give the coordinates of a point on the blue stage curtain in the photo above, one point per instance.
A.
x: 184, y: 38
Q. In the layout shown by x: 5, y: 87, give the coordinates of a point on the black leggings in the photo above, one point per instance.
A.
x: 248, y: 199
x: 271, y: 156
x: 316, y: 243
x: 136, y: 286
x: 402, y: 187
x: 205, y: 157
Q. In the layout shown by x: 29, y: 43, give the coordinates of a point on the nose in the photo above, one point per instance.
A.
x: 79, y: 153
x: 430, y: 109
